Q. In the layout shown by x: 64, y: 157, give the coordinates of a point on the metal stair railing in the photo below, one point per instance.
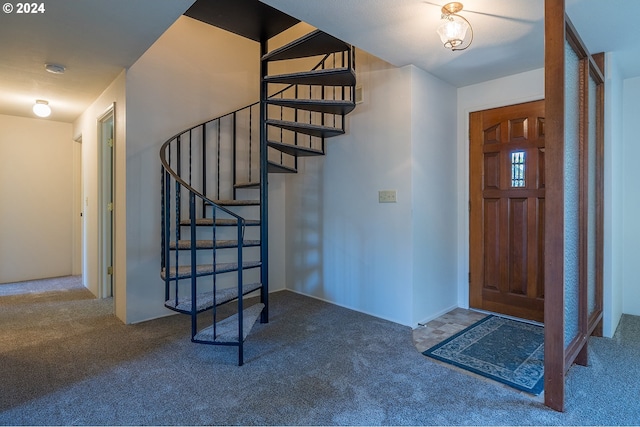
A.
x: 344, y: 59
x: 172, y: 224
x: 190, y: 186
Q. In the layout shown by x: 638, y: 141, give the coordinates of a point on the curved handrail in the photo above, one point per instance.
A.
x: 164, y: 146
x: 182, y: 182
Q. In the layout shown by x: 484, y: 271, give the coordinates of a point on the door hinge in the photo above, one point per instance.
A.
x: 469, y: 277
x: 469, y: 205
x: 110, y: 142
x: 110, y: 270
x: 110, y: 206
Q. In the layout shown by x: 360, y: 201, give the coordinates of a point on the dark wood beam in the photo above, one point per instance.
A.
x: 554, y: 368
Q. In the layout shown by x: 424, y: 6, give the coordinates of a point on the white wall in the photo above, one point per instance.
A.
x: 194, y: 72
x: 434, y: 196
x: 613, y: 187
x: 630, y: 197
x: 342, y: 245
x: 36, y: 199
x: 86, y: 127
x: 523, y: 87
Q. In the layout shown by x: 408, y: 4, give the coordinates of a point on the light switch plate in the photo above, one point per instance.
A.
x: 387, y: 196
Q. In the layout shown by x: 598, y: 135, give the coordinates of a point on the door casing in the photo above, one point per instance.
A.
x: 106, y: 186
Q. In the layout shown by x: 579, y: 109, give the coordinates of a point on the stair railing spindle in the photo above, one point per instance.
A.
x: 295, y: 135
x: 178, y: 191
x: 190, y: 155
x: 240, y: 299
x: 166, y: 231
x: 234, y: 153
x: 250, y: 142
x: 194, y: 287
x: 215, y: 276
x: 162, y: 203
x: 178, y: 187
x: 218, y: 160
x: 203, y: 137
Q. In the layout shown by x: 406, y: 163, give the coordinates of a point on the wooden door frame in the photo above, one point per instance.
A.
x: 558, y: 356
x: 106, y: 222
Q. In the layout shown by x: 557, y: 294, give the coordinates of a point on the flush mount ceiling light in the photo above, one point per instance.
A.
x: 41, y: 108
x: 55, y: 68
x: 453, y: 29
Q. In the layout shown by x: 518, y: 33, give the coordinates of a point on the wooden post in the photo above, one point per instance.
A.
x: 554, y: 361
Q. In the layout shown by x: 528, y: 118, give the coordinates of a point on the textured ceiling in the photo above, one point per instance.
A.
x: 508, y: 34
x: 94, y: 39
x: 610, y: 26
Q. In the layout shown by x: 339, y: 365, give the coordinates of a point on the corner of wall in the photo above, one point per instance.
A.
x: 613, y: 182
x: 86, y: 128
x: 434, y: 200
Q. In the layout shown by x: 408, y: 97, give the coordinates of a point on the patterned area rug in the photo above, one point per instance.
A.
x: 504, y: 350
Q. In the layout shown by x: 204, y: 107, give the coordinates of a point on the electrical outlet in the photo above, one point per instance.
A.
x: 387, y: 196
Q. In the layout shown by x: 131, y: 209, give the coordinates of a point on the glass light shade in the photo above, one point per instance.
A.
x: 41, y: 108
x: 452, y: 31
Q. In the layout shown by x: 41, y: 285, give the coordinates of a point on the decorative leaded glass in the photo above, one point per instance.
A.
x: 517, y: 169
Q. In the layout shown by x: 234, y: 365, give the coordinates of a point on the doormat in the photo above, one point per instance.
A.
x: 503, y: 350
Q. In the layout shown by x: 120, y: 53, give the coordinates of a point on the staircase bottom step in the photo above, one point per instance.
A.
x: 206, y: 300
x: 227, y: 330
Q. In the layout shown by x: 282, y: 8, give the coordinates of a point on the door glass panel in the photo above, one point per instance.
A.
x: 517, y: 169
x: 571, y: 195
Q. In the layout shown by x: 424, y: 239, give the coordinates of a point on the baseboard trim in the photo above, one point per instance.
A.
x: 434, y: 316
x: 347, y: 307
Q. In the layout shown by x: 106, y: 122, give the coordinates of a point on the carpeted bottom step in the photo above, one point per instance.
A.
x: 227, y: 330
x: 205, y: 300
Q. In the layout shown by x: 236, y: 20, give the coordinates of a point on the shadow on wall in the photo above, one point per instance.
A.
x: 307, y: 260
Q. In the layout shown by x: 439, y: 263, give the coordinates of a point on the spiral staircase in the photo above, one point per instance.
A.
x: 214, y: 185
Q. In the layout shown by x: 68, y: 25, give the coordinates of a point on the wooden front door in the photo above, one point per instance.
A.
x: 507, y: 192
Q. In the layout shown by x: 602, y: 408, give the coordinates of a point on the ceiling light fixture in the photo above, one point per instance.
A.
x: 55, y: 68
x: 453, y: 29
x: 41, y: 108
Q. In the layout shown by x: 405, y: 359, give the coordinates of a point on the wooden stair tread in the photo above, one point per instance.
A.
x: 330, y: 106
x: 208, y: 244
x: 278, y: 168
x: 326, y: 77
x: 307, y: 128
x: 315, y: 43
x: 237, y: 202
x: 227, y: 329
x: 295, y: 150
x: 247, y: 185
x: 184, y: 271
x: 205, y: 300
